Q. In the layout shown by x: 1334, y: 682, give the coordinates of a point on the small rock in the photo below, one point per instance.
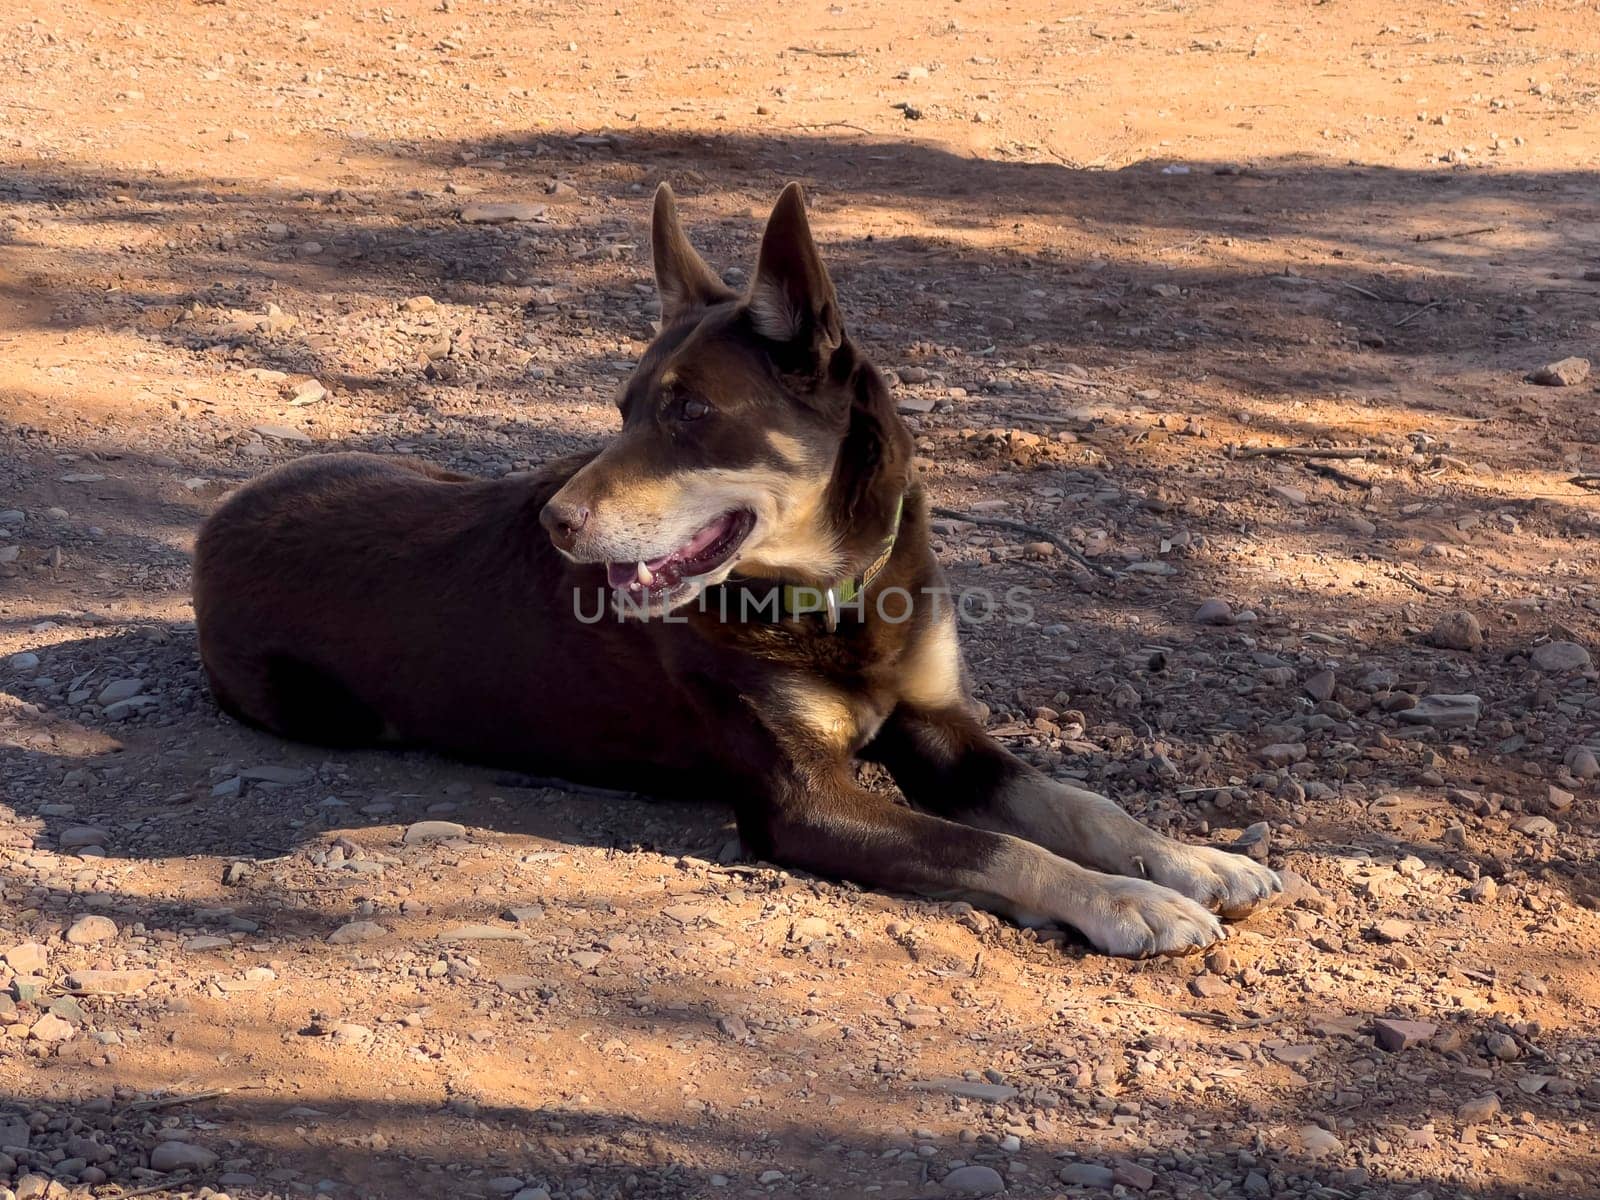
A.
x: 482, y: 933
x: 1321, y: 685
x: 1392, y: 931
x: 1319, y: 1143
x: 27, y: 958
x: 996, y: 1093
x: 1458, y: 630
x: 1395, y: 1034
x: 1583, y: 764
x: 433, y: 831
x: 77, y: 837
x: 281, y: 776
x: 180, y: 1156
x: 1289, y: 495
x: 26, y: 661
x: 1566, y: 372
x: 355, y: 932
x: 976, y: 1181
x: 119, y: 689
x: 110, y: 983
x: 419, y: 304
x: 281, y: 433
x: 1214, y: 611
x: 1087, y: 1175
x: 1535, y: 827
x: 586, y: 960
x: 1444, y: 712
x: 500, y: 214
x: 1560, y: 656
x: 1483, y: 891
x: 51, y: 1028
x: 1128, y: 1174
x: 1282, y: 754
x: 1479, y: 1109
x: 808, y: 929
x: 1557, y: 800
x: 349, y: 1034
x: 309, y: 391
x: 1210, y: 987
x: 86, y: 931
x: 205, y: 943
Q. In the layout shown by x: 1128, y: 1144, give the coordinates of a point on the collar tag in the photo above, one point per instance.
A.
x: 831, y: 599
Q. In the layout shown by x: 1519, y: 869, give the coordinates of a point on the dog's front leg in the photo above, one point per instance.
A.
x: 820, y: 819
x: 946, y: 763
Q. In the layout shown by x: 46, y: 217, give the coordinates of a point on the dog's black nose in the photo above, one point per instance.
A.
x: 563, y: 522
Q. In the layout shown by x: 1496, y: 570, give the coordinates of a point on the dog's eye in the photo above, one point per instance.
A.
x: 692, y: 410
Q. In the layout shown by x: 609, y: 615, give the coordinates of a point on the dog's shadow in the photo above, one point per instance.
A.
x: 158, y: 771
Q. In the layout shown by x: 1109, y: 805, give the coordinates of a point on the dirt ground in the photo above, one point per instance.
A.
x: 1107, y: 250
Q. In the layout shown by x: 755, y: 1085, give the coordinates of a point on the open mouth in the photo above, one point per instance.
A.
x: 702, y: 554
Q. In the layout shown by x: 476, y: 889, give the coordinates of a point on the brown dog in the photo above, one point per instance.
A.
x: 735, y: 597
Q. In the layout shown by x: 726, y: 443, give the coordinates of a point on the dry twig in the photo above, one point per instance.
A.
x: 1308, y: 452
x: 1444, y: 237
x: 1034, y: 531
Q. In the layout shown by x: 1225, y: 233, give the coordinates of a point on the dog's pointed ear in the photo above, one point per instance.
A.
x: 682, y: 277
x: 791, y: 298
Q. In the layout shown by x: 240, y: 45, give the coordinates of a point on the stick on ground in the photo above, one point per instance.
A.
x: 1035, y: 531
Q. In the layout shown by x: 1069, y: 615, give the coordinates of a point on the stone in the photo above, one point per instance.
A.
x: 1087, y: 1175
x: 418, y: 304
x: 281, y: 433
x: 51, y: 1028
x: 27, y: 958
x: 1132, y: 1175
x: 110, y: 983
x: 1444, y: 712
x: 307, y: 391
x: 1210, y: 987
x: 205, y: 943
x: 25, y: 661
x: 1535, y: 827
x: 996, y: 1093
x: 1565, y: 372
x: 1458, y: 630
x: 502, y: 213
x: 1557, y: 800
x: 1395, y: 1034
x: 586, y: 960
x: 1321, y: 685
x: 514, y: 984
x: 1289, y: 495
x: 808, y: 929
x: 1554, y: 657
x: 1319, y: 1143
x: 76, y: 837
x: 975, y: 1180
x: 1282, y: 754
x: 87, y: 931
x: 482, y: 933
x: 119, y: 689
x: 349, y: 1034
x: 1483, y: 891
x: 1392, y: 930
x: 1479, y: 1109
x: 356, y: 932
x: 282, y: 776
x: 433, y: 831
x: 1214, y: 610
x: 14, y: 1132
x: 1583, y: 763
x: 180, y: 1156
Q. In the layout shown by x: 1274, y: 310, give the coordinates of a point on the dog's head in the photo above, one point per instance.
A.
x: 754, y: 436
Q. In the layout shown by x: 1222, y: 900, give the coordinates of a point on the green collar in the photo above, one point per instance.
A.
x: 800, y: 599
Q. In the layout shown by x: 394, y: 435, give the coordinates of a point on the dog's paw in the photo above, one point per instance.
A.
x: 1132, y: 918
x: 1225, y: 883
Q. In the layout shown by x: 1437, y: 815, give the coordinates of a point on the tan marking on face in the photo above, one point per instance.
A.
x: 930, y: 672
x: 797, y: 537
x: 789, y: 448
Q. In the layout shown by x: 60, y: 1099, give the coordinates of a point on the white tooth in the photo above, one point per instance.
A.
x: 645, y: 577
